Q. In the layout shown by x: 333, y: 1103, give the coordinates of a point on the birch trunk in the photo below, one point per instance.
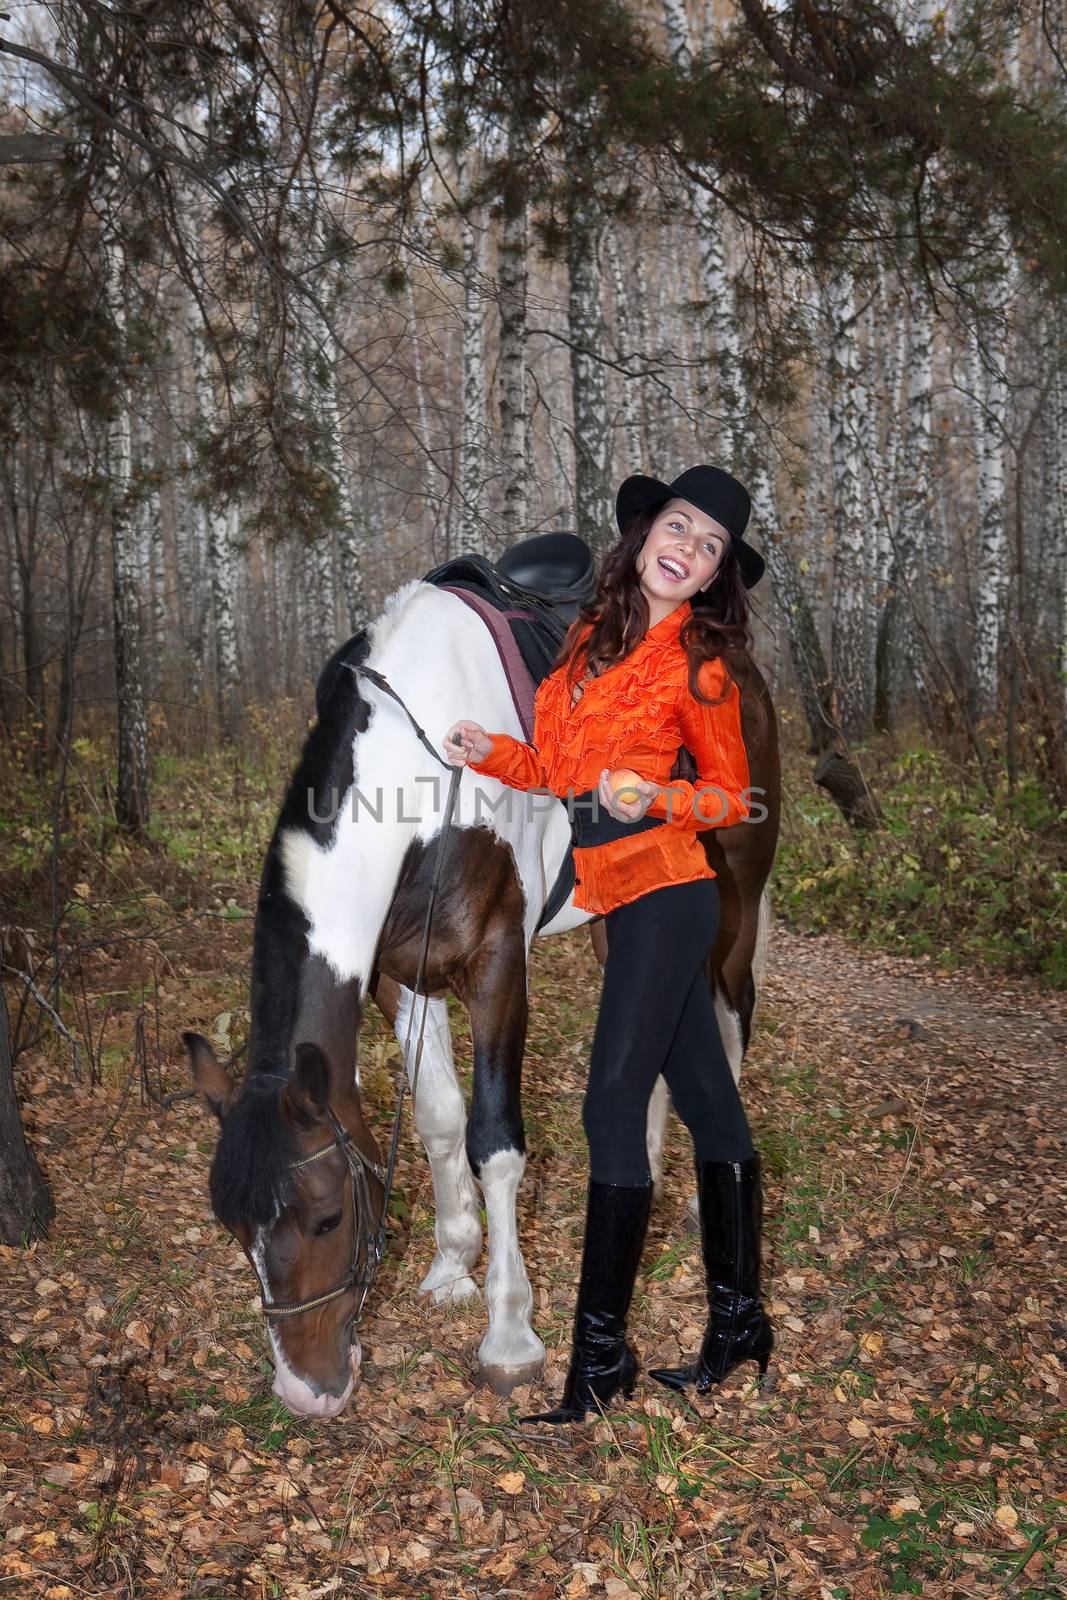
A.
x: 1053, y: 559
x: 650, y: 393
x: 987, y: 359
x: 188, y: 522
x: 132, y: 794
x: 593, y: 500
x: 890, y: 337
x: 514, y: 416
x: 473, y: 437
x: 851, y: 606
x: 915, y: 492
x: 624, y: 349
x: 222, y: 566
x: 349, y: 543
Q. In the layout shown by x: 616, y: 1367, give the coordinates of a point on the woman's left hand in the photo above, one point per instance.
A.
x: 625, y: 810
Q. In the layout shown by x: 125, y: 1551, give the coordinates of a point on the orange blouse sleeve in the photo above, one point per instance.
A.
x: 514, y: 763
x: 713, y: 736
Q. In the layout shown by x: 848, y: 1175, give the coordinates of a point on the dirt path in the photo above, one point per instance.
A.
x: 1020, y: 1027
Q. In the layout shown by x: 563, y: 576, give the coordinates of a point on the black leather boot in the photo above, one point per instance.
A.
x: 730, y: 1198
x: 602, y: 1362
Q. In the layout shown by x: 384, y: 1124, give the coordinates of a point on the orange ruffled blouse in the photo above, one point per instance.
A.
x: 636, y: 714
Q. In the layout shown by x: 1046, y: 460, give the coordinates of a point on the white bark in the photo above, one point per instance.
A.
x: 652, y: 394
x: 349, y: 541
x: 132, y: 799
x: 474, y: 431
x: 851, y: 599
x: 188, y: 524
x: 514, y: 414
x: 987, y: 359
x: 1055, y: 496
x: 624, y: 348
x: 593, y: 498
x: 914, y: 484
x: 222, y: 565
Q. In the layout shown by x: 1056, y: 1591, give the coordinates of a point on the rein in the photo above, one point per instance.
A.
x: 367, y: 1244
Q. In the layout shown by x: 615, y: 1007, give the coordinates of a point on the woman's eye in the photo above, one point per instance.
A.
x: 328, y: 1224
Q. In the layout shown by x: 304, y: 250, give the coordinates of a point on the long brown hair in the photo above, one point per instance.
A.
x: 718, y: 627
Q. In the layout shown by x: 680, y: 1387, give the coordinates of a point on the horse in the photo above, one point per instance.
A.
x: 297, y: 1174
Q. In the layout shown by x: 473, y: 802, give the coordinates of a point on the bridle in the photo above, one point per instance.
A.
x: 366, y: 1243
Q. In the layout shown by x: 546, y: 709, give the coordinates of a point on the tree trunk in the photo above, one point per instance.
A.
x: 26, y: 1206
x: 891, y: 339
x: 514, y: 414
x: 474, y: 440
x: 624, y: 350
x: 222, y: 562
x: 851, y: 602
x: 593, y: 500
x: 915, y: 493
x: 989, y: 397
x: 131, y: 799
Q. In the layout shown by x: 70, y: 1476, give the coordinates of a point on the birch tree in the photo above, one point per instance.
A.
x: 851, y: 603
x: 474, y: 419
x: 512, y: 273
x: 587, y: 336
x: 132, y: 779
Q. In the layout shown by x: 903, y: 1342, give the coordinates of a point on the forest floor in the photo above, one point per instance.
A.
x: 908, y: 1438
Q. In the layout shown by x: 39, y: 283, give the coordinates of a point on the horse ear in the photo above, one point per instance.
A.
x: 313, y: 1075
x: 212, y: 1082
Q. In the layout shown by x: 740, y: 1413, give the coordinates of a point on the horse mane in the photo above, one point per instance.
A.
x: 250, y: 1182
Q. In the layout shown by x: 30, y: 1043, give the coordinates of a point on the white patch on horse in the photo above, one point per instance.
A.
x: 659, y: 1105
x: 510, y: 1345
x: 730, y: 1031
x: 301, y: 1397
x: 441, y: 1122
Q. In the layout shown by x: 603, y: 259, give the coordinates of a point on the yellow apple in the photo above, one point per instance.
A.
x: 621, y: 781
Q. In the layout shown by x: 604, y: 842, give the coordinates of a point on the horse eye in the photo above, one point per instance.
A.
x: 328, y: 1224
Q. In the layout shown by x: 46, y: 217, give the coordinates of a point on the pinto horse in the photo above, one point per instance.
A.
x: 297, y: 1174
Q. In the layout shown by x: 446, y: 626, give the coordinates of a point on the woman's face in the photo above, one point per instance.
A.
x: 680, y: 555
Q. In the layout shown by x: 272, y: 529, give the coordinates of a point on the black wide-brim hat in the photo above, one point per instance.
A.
x: 717, y: 495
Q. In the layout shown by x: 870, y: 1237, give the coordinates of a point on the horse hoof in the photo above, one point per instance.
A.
x: 449, y: 1291
x: 502, y: 1380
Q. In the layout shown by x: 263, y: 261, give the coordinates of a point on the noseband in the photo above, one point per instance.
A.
x: 364, y: 1242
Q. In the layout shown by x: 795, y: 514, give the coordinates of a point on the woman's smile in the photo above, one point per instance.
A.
x: 676, y: 570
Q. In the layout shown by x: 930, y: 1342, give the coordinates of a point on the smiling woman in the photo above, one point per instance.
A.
x: 654, y: 663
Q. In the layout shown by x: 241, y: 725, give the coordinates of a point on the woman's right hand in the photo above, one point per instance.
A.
x: 466, y: 741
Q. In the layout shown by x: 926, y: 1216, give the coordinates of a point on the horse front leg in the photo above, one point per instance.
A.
x: 440, y: 1121
x: 494, y: 988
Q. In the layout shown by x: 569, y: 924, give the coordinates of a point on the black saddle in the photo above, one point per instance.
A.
x: 546, y: 578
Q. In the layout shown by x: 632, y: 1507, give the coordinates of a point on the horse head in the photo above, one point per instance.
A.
x: 297, y: 1177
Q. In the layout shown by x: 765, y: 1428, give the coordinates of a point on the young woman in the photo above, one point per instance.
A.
x: 651, y: 665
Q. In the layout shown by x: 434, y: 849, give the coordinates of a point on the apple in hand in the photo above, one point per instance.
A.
x: 624, y: 781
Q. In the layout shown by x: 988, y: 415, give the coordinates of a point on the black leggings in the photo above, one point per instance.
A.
x: 657, y: 1015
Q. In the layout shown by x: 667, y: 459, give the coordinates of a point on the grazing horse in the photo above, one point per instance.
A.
x: 297, y: 1174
